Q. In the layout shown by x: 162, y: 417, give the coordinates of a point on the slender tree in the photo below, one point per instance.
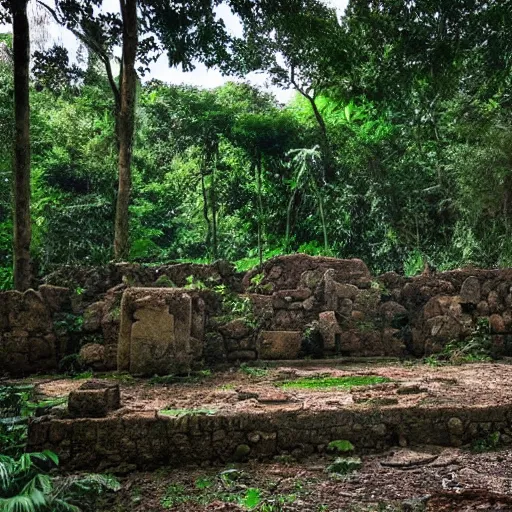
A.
x: 21, y: 167
x: 126, y: 126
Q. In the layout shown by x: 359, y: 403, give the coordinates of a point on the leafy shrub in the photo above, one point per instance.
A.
x: 26, y: 486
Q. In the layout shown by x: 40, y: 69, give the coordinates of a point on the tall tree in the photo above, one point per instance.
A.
x: 126, y: 126
x: 21, y: 167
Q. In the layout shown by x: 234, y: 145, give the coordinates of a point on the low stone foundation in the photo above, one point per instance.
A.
x: 150, y: 440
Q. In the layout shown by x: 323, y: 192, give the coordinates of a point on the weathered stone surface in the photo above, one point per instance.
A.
x: 93, y: 316
x: 392, y: 311
x: 329, y: 329
x: 92, y: 355
x: 345, y: 307
x: 285, y: 272
x: 279, y: 344
x: 242, y: 355
x: 286, y: 299
x: 482, y: 308
x: 444, y: 326
x: 442, y: 305
x: 497, y: 324
x: 236, y: 329
x: 493, y: 302
x: 155, y: 331
x: 94, y: 399
x: 470, y: 291
x: 56, y: 297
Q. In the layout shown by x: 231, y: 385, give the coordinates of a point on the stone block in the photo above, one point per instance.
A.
x: 93, y: 316
x: 329, y: 329
x: 236, y: 329
x: 279, y: 344
x: 470, y: 291
x: 94, y: 399
x: 155, y: 331
x: 56, y: 297
x: 92, y: 355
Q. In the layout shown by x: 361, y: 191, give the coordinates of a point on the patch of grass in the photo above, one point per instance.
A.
x: 254, y: 371
x: 123, y: 378
x: 82, y: 376
x: 188, y: 412
x: 320, y: 383
x: 227, y: 387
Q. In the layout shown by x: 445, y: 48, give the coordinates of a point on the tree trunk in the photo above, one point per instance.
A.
x: 205, y: 209
x: 21, y: 167
x: 261, y: 229
x: 126, y: 126
x: 214, y: 206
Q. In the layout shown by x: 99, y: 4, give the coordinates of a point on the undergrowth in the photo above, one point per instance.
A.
x: 230, y: 486
x: 474, y: 349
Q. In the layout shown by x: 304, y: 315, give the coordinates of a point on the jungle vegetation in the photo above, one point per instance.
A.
x: 396, y: 148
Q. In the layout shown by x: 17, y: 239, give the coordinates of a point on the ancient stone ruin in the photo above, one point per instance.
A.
x: 174, y: 318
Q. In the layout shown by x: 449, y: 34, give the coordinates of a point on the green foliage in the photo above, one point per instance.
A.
x: 340, y: 446
x: 487, y: 443
x: 26, y: 486
x: 253, y: 371
x: 326, y: 383
x: 229, y: 486
x: 414, y: 264
x: 473, y: 349
x: 401, y: 116
x: 344, y: 465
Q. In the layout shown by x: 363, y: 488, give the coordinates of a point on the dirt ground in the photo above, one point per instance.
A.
x: 427, y: 479
x: 255, y: 389
x: 401, y: 480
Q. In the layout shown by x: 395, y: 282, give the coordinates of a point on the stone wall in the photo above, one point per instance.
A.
x: 146, y: 441
x: 295, y: 306
x: 30, y: 339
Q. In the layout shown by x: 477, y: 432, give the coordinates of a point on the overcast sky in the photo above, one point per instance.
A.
x: 200, y: 76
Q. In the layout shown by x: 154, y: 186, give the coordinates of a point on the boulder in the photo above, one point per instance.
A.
x: 92, y: 355
x: 441, y: 305
x: 497, y: 324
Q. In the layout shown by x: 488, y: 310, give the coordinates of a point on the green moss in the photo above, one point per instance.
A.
x: 340, y: 446
x: 334, y: 382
